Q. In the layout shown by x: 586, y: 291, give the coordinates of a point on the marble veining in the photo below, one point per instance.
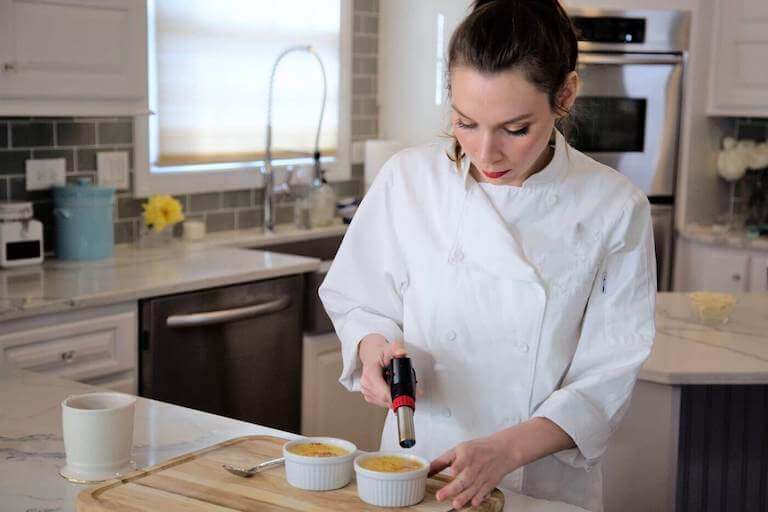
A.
x: 689, y: 351
x: 134, y: 273
x: 736, y: 239
x: 32, y: 449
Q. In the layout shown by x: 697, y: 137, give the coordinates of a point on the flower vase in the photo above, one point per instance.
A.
x: 151, y: 239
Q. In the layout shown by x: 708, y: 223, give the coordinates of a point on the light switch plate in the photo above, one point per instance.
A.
x: 45, y: 173
x: 112, y: 169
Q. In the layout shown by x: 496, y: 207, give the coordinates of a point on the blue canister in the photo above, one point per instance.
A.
x: 84, y: 229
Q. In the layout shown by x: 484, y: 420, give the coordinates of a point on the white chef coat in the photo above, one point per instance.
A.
x: 546, y: 310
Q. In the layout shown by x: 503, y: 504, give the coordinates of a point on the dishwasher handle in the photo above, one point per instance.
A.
x: 229, y: 315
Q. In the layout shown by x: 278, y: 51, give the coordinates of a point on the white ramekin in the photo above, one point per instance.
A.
x: 319, y: 473
x: 391, y: 489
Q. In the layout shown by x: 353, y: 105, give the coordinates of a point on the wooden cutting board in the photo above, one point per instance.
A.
x: 197, y: 482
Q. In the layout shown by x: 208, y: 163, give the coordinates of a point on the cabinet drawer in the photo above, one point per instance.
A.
x: 123, y: 382
x: 76, y: 350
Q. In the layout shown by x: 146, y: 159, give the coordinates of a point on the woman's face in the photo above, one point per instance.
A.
x: 503, y: 123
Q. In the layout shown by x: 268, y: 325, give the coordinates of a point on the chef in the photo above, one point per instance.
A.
x: 516, y: 272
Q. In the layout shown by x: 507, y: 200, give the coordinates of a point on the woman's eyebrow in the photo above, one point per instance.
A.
x: 510, y: 121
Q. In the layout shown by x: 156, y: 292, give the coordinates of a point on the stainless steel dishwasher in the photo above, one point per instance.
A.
x: 233, y: 351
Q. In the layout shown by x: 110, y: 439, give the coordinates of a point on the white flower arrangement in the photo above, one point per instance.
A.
x: 738, y: 156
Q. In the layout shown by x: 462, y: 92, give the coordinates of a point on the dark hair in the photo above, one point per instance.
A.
x: 535, y: 36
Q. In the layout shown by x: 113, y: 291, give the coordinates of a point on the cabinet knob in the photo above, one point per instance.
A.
x: 9, y: 67
x: 736, y: 277
x: 68, y: 356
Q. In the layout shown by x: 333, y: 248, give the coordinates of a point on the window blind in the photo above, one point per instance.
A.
x: 212, y: 67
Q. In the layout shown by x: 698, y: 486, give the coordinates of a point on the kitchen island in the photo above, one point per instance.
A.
x: 32, y: 450
x: 695, y: 436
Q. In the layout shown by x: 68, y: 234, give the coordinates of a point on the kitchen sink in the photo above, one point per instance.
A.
x: 316, y: 321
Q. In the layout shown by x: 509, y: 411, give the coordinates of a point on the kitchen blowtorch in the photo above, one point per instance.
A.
x: 401, y: 378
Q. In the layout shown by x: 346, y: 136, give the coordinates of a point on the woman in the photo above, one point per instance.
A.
x: 518, y: 273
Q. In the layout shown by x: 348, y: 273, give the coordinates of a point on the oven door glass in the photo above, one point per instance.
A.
x: 627, y: 116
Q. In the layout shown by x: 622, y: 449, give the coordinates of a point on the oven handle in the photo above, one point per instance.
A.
x: 228, y: 315
x: 614, y: 59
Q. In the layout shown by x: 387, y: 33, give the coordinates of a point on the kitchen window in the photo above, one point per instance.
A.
x: 209, y: 68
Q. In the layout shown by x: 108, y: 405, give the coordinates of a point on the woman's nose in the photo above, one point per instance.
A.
x: 488, y: 150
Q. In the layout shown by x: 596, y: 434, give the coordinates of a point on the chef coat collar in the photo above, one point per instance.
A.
x: 553, y: 171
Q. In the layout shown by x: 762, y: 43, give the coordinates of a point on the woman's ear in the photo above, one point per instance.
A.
x: 567, y: 95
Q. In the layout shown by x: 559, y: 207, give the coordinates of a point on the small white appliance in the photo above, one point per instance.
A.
x: 21, y: 236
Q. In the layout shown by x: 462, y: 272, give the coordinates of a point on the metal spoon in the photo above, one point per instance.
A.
x: 246, y: 472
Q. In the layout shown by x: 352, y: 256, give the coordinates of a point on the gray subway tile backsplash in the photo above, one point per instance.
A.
x: 13, y: 162
x: 31, y: 134
x: 3, y: 189
x: 125, y: 231
x: 220, y: 221
x: 118, y: 132
x: 204, y: 202
x: 3, y: 135
x: 67, y: 154
x: 128, y: 207
x: 86, y: 159
x: 75, y: 133
x: 237, y: 199
x: 251, y: 218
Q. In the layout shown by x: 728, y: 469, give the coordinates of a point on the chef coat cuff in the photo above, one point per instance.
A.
x: 357, y: 324
x: 581, y: 420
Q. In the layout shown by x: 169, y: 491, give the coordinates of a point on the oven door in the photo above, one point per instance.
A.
x: 627, y: 116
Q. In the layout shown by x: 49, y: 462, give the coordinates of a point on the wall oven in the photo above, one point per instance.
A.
x: 627, y: 113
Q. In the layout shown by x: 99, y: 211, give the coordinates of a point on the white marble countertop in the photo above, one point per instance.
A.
x: 687, y: 351
x: 32, y: 449
x: 133, y: 273
x: 735, y: 239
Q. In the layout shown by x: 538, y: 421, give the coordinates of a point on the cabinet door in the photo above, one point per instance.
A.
x: 83, y: 346
x: 739, y: 83
x: 72, y: 49
x: 328, y: 409
x: 758, y: 273
x: 710, y: 268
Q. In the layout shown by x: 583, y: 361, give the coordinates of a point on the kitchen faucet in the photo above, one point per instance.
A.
x: 270, y: 191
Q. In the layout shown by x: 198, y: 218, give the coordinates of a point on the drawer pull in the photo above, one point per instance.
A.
x: 9, y: 67
x: 229, y: 315
x: 736, y: 277
x: 68, y: 356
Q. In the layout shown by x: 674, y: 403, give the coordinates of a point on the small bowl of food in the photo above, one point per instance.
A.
x: 391, y: 479
x: 319, y: 463
x: 711, y: 307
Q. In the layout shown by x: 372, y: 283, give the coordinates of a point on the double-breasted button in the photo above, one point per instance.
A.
x: 457, y: 256
x: 523, y: 348
x: 450, y: 336
x: 552, y: 200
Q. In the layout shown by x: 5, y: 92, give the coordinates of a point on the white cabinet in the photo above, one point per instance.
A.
x: 97, y: 346
x: 704, y: 266
x: 758, y: 273
x: 739, y: 75
x: 327, y: 408
x: 73, y: 57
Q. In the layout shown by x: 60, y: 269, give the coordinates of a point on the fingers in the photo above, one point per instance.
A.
x: 483, y: 493
x: 467, y: 494
x: 442, y: 462
x: 454, y: 487
x: 374, y: 388
x: 394, y: 349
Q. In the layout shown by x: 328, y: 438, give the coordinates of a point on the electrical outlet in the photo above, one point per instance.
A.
x: 112, y: 169
x: 45, y: 173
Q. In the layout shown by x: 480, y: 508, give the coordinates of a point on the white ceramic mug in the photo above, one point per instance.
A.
x: 98, y: 436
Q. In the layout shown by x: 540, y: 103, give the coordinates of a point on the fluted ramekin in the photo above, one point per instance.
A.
x: 384, y: 489
x: 319, y: 473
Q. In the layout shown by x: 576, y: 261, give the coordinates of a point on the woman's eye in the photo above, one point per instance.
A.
x: 517, y: 133
x: 461, y: 124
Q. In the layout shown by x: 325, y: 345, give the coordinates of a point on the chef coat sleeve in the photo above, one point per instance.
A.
x: 362, y: 291
x: 615, y: 340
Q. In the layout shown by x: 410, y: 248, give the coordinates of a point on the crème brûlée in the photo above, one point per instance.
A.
x: 390, y: 464
x: 317, y: 450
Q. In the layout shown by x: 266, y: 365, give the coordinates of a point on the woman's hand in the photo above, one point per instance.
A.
x: 478, y: 466
x: 375, y: 353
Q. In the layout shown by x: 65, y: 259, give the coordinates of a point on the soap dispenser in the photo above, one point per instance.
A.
x: 322, y: 202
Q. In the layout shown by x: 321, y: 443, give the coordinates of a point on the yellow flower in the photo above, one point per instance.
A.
x: 162, y: 211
